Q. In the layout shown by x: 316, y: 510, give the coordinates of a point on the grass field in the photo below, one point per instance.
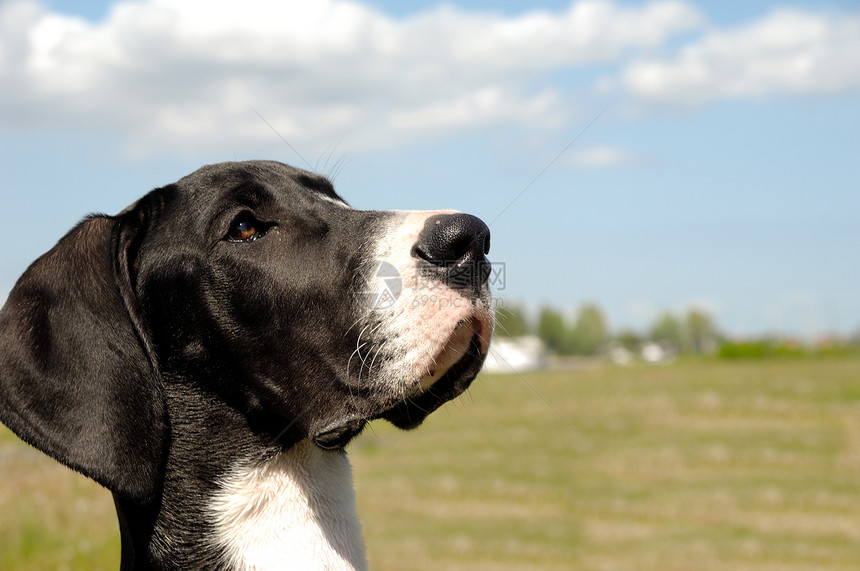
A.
x: 699, y: 465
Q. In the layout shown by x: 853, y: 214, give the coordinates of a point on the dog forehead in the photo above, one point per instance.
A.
x: 248, y: 179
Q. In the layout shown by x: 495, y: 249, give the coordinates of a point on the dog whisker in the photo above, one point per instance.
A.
x: 378, y: 351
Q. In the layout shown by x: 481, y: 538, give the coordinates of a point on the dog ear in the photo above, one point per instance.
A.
x: 76, y: 377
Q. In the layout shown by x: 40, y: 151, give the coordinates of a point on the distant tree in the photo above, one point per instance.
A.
x: 668, y: 331
x: 552, y: 330
x: 701, y: 332
x: 511, y: 321
x: 628, y: 339
x: 589, y: 333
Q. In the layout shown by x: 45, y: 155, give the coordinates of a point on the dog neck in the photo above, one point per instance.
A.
x: 290, y: 510
x: 294, y: 511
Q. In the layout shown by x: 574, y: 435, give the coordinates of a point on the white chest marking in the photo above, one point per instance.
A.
x: 296, y: 511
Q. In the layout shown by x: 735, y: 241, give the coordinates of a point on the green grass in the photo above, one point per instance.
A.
x: 699, y: 465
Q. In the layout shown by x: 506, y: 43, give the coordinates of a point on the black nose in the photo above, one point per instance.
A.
x: 457, y: 244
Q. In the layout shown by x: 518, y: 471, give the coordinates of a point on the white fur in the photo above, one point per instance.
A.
x: 335, y: 201
x: 296, y: 511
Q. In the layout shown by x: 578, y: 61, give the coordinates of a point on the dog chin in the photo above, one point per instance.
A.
x: 436, y: 388
x: 411, y: 412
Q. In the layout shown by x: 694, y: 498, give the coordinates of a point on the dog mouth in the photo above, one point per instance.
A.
x: 454, y: 369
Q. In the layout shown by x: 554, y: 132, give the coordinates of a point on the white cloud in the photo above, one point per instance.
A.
x: 186, y: 75
x: 603, y: 156
x: 786, y: 52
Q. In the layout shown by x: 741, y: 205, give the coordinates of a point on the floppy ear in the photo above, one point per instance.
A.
x: 76, y: 378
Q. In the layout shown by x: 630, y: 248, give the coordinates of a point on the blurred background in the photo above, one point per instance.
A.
x: 672, y: 188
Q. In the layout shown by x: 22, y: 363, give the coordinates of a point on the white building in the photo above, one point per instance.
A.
x: 515, y: 354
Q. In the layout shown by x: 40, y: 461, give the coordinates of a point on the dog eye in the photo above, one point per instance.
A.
x: 246, y: 228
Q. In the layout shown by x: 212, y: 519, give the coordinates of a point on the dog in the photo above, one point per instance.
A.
x: 207, y: 354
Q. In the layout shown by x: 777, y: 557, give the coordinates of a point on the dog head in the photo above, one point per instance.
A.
x: 255, y: 285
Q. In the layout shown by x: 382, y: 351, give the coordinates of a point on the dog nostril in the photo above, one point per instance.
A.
x: 450, y: 238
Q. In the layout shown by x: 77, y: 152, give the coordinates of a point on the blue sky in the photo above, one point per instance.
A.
x: 722, y: 172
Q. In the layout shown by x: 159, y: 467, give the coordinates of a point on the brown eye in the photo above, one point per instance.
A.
x: 246, y: 228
